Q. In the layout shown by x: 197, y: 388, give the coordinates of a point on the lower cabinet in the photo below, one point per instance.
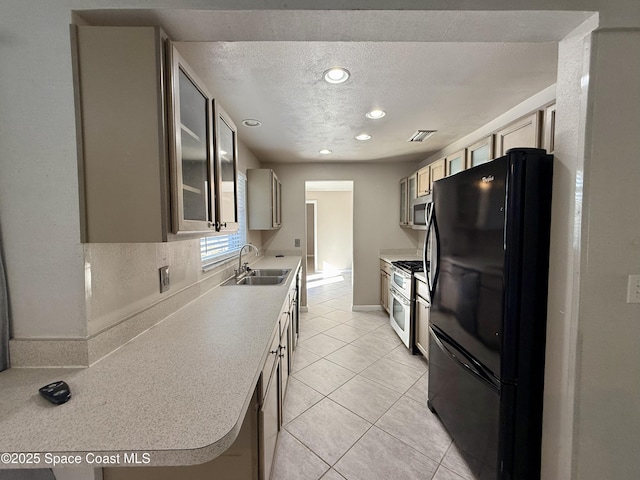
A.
x: 269, y: 422
x: 285, y: 355
x: 422, y: 318
x: 385, y: 276
x: 422, y: 326
x: 251, y: 456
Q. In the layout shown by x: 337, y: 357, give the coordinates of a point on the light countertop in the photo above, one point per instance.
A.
x: 179, y: 391
x: 398, y: 257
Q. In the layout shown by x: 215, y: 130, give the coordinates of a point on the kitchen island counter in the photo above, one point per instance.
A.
x: 178, y: 392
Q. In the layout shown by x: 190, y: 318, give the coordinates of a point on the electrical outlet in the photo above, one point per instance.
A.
x: 633, y: 289
x: 297, y: 242
x: 164, y: 278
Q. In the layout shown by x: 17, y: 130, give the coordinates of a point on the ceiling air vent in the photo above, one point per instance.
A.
x: 421, y: 135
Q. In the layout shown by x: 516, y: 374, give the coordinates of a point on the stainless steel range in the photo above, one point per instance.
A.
x: 402, y: 297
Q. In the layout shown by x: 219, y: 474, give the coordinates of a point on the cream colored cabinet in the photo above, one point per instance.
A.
x: 146, y: 129
x: 226, y: 161
x: 411, y: 196
x: 284, y: 355
x: 455, y: 162
x: 480, y: 152
x: 424, y: 181
x: 264, y: 198
x: 404, y: 202
x: 437, y: 171
x: 270, y: 409
x: 408, y: 187
x: 422, y: 318
x: 385, y: 278
x: 523, y: 133
x: 549, y: 129
x: 191, y: 137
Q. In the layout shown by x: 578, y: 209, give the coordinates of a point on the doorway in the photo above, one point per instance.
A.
x: 312, y: 243
x: 329, y: 231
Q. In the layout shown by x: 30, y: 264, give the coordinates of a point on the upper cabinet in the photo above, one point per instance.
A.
x: 411, y: 196
x: 424, y: 181
x: 191, y: 136
x: 456, y: 162
x: 408, y: 194
x: 148, y: 136
x: 226, y: 156
x: 523, y: 133
x: 264, y: 198
x: 404, y: 202
x: 437, y: 172
x: 480, y: 152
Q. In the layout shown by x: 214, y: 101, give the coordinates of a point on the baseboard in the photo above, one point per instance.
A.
x: 366, y: 308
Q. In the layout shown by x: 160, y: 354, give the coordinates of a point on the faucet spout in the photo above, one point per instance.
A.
x: 243, y: 268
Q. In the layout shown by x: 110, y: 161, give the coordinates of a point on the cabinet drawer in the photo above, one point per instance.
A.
x: 422, y: 289
x: 270, y: 362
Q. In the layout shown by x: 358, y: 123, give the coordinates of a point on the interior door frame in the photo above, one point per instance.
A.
x: 315, y: 233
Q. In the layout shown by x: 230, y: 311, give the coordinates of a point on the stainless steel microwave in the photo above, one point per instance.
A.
x: 421, y: 211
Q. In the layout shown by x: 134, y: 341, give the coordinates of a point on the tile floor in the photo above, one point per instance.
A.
x: 356, y: 401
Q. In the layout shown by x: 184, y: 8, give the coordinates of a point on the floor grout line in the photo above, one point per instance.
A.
x: 379, y: 332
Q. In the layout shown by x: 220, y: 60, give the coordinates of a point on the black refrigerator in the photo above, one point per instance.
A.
x: 489, y: 236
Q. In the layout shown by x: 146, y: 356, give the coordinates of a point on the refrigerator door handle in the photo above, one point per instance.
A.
x: 462, y: 359
x: 433, y: 223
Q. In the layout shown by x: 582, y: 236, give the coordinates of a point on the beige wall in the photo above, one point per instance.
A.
x: 122, y: 279
x: 376, y: 216
x: 335, y: 229
x: 45, y: 260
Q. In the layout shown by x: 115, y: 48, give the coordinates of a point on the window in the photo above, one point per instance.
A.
x: 221, y: 247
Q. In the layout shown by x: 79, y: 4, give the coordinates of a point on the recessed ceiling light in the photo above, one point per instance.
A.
x: 250, y: 122
x: 363, y: 136
x: 325, y: 151
x: 375, y: 114
x: 336, y: 75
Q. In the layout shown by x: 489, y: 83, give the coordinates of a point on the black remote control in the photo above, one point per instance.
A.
x: 56, y: 392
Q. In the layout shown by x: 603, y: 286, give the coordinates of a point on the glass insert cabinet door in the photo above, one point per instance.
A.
x: 194, y: 155
x: 456, y: 162
x: 480, y: 152
x: 226, y: 155
x: 192, y: 180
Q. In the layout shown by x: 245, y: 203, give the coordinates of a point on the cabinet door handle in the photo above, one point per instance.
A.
x: 274, y: 351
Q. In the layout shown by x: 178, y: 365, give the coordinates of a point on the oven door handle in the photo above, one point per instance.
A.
x: 398, y: 296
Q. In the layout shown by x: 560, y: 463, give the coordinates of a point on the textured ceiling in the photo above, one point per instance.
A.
x: 445, y: 71
x: 454, y: 88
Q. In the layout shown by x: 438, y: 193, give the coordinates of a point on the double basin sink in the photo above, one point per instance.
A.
x: 263, y: 276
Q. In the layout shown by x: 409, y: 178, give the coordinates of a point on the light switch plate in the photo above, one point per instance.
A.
x: 297, y: 242
x: 164, y: 278
x: 633, y: 289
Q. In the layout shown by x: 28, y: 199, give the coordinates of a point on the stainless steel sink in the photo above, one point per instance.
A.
x: 258, y: 280
x: 269, y: 272
x: 262, y: 280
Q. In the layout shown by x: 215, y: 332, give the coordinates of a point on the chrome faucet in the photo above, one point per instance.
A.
x: 244, y: 268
